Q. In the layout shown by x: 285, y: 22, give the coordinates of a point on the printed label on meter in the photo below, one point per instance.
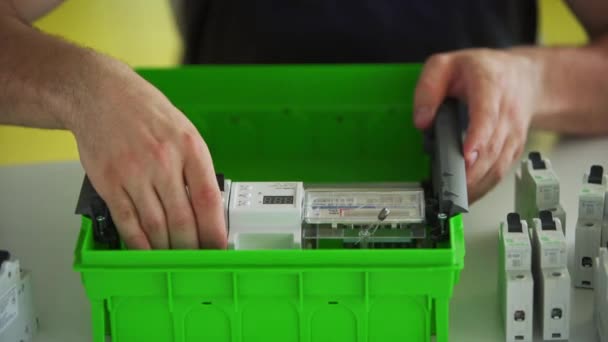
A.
x: 363, y: 206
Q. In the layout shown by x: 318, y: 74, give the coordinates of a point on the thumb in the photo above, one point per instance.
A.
x: 432, y: 88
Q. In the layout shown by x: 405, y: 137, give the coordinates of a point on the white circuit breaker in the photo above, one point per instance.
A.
x: 18, y: 322
x: 601, y: 294
x: 515, y: 280
x: 551, y: 277
x: 265, y: 215
x: 537, y: 188
x: 588, y: 233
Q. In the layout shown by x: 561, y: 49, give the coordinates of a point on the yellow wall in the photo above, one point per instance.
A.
x: 142, y: 33
x: 558, y: 25
x: 139, y: 32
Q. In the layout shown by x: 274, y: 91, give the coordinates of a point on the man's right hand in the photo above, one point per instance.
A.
x: 142, y: 155
x: 150, y: 165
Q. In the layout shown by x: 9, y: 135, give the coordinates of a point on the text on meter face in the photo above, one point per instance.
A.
x: 363, y: 206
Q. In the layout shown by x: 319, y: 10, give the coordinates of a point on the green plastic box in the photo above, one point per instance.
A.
x: 311, y: 123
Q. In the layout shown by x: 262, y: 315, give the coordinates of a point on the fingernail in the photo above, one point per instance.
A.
x: 473, y: 157
x: 422, y: 115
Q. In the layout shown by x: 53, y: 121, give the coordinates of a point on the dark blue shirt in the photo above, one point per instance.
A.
x: 349, y: 31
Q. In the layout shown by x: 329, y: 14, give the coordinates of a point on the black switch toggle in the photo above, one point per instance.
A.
x: 537, y: 161
x: 220, y: 180
x: 546, y: 220
x: 514, y: 223
x: 4, y: 256
x: 596, y: 174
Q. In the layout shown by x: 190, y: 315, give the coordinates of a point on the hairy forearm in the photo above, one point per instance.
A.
x: 573, y: 88
x: 44, y: 81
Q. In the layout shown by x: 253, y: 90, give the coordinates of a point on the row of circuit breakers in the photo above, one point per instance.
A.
x: 534, y: 280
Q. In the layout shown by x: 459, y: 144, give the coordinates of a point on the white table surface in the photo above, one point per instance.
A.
x: 37, y: 226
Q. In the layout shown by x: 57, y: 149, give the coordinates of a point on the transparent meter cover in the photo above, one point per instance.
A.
x: 362, y: 206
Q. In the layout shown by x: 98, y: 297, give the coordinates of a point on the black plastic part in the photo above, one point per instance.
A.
x: 4, y: 256
x: 220, y: 180
x: 537, y: 161
x: 445, y: 191
x: 430, y: 212
x: 90, y: 204
x: 546, y: 220
x: 556, y: 313
x: 443, y: 141
x: 104, y: 230
x: 596, y: 174
x: 514, y: 223
x: 587, y: 262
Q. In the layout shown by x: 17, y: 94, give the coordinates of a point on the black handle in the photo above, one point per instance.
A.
x: 449, y: 180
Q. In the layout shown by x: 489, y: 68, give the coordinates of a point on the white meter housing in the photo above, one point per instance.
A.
x: 265, y: 215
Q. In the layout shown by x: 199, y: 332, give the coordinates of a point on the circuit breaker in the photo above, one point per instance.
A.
x: 551, y: 277
x: 515, y: 280
x: 18, y: 322
x: 537, y: 188
x: 588, y: 232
